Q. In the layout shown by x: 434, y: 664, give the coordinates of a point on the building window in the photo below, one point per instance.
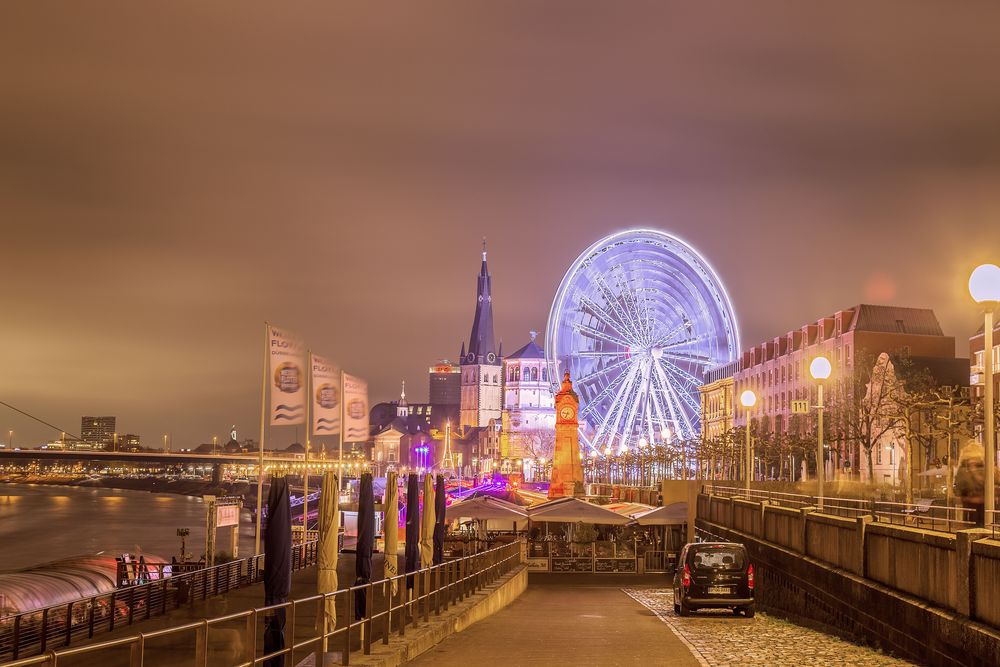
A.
x: 878, y: 455
x: 534, y: 374
x: 392, y: 456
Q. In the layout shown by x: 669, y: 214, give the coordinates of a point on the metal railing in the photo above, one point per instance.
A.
x: 947, y: 519
x: 62, y: 625
x: 391, y: 607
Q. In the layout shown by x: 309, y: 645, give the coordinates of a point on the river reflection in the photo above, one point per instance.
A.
x: 41, y: 523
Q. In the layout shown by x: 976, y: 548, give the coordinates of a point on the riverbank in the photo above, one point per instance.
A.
x: 184, y: 487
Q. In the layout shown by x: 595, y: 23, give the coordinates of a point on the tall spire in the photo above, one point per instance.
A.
x: 481, y: 342
x: 402, y: 392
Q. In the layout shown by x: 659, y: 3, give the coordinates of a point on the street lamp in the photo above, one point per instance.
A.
x: 820, y: 369
x: 984, y: 286
x: 748, y: 399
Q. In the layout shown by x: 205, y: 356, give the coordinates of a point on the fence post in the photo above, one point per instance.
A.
x: 345, y: 658
x: 135, y: 651
x: 367, y: 621
x: 69, y: 623
x: 251, y: 642
x: 387, y: 596
x: 17, y: 635
x: 290, y: 629
x: 966, y: 602
x: 201, y: 645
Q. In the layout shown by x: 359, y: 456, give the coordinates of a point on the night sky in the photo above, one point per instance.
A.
x: 172, y: 175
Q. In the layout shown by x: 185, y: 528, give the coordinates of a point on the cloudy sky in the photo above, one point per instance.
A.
x: 174, y: 174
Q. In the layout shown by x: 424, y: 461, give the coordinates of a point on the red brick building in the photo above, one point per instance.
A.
x: 778, y: 370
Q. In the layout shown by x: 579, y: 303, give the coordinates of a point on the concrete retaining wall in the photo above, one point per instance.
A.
x: 919, y: 562
x: 784, y: 526
x: 834, y: 540
x: 921, y: 594
x: 985, y: 575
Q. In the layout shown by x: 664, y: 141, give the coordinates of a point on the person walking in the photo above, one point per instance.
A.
x: 970, y: 482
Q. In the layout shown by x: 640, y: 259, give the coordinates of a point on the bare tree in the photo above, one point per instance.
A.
x: 535, y: 443
x: 864, y: 407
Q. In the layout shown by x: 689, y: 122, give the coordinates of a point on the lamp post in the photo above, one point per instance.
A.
x: 820, y: 369
x: 984, y: 286
x: 748, y: 399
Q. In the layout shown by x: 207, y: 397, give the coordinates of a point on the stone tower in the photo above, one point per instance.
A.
x: 567, y: 469
x: 482, y: 381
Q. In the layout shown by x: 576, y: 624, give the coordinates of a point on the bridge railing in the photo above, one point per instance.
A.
x: 946, y: 519
x: 366, y: 614
x: 61, y: 625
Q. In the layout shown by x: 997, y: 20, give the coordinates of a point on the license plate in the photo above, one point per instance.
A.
x: 719, y: 590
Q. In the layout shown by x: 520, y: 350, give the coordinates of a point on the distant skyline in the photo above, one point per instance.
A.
x: 171, y: 176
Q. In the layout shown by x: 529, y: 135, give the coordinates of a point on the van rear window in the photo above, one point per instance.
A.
x: 719, y: 558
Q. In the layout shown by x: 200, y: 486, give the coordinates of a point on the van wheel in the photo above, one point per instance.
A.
x: 748, y: 611
x: 677, y: 608
x: 737, y: 610
x: 684, y: 609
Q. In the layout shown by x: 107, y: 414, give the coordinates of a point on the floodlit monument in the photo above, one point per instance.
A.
x: 567, y: 471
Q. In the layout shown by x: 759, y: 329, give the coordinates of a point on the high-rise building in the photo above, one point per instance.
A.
x: 98, y: 430
x: 481, y: 371
x: 445, y: 381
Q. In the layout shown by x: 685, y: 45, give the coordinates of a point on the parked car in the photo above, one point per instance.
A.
x: 714, y: 575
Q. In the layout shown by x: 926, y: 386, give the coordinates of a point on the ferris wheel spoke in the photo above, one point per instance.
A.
x: 638, y: 398
x: 683, y: 400
x: 604, y: 370
x: 591, y: 332
x: 595, y: 353
x: 680, y: 373
x: 667, y: 393
x: 594, y: 403
x: 614, y: 413
x: 627, y: 293
x: 589, y: 306
x: 612, y: 300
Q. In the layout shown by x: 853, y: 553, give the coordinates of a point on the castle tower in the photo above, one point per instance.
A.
x: 567, y: 469
x: 481, y: 370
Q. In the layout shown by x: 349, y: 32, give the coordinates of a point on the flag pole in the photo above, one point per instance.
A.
x: 305, y: 475
x: 343, y: 431
x: 260, y: 459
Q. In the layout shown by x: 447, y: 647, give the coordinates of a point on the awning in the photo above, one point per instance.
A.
x: 484, y: 508
x: 673, y: 514
x: 571, y: 510
x: 628, y: 509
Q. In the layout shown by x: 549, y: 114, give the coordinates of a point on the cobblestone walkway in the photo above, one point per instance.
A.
x: 717, y: 638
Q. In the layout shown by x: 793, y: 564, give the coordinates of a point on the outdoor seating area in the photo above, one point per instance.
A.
x: 574, y: 534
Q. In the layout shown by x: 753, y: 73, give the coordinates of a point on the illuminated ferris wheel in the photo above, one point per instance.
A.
x: 637, y: 319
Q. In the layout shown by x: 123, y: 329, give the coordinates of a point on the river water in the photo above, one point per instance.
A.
x: 40, y: 523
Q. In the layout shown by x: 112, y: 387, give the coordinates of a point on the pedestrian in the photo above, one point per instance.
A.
x: 970, y: 481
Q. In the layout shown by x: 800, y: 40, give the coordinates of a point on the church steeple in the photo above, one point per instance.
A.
x: 402, y: 408
x: 482, y: 345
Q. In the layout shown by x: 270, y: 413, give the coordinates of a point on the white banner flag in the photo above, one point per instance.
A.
x: 288, y: 389
x: 325, y: 397
x: 355, y: 409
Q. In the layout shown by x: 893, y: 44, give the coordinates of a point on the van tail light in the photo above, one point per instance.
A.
x: 686, y: 577
x: 750, y: 576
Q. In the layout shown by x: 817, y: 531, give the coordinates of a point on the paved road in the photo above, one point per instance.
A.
x: 719, y: 638
x: 614, y: 621
x: 565, y: 620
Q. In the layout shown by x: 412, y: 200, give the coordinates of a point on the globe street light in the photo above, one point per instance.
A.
x: 820, y: 370
x: 984, y: 286
x: 748, y: 399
